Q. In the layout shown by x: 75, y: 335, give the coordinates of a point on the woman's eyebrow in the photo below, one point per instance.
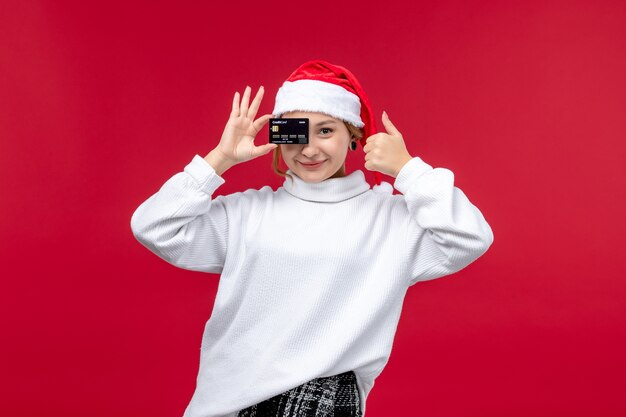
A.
x: 325, y: 122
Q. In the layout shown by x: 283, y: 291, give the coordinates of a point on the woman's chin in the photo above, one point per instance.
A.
x: 313, y: 176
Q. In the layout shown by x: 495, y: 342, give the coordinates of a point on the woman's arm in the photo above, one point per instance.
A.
x: 182, y: 223
x: 447, y: 232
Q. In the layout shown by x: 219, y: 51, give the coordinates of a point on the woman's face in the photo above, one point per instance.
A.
x: 329, y: 140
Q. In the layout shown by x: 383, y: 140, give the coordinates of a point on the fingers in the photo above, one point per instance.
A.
x: 263, y: 149
x: 369, y: 142
x: 243, y: 110
x: 235, y: 110
x: 246, y: 108
x: 258, y: 123
x: 389, y: 127
x: 254, y: 107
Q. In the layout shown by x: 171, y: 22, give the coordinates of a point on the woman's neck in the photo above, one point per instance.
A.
x: 341, y: 172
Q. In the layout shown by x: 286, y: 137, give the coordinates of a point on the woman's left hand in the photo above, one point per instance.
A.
x: 386, y: 152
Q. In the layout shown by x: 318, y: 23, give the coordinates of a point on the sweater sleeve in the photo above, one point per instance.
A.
x: 182, y: 224
x: 446, y: 231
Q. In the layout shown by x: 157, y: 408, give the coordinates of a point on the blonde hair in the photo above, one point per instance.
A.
x: 355, y: 133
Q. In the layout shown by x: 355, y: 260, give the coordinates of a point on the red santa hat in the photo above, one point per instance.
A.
x: 319, y: 86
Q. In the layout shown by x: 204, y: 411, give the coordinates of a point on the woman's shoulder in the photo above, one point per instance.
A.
x: 385, y: 193
x: 250, y: 195
x: 387, y: 200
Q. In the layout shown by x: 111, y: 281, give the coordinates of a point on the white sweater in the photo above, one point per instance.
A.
x: 313, y: 275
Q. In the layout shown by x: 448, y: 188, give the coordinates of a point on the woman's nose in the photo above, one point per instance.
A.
x: 309, y: 150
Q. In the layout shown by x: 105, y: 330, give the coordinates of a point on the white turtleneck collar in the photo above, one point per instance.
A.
x: 331, y: 190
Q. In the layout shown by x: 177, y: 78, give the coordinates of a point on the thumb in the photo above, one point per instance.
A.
x: 389, y: 127
x: 258, y: 123
x: 263, y: 149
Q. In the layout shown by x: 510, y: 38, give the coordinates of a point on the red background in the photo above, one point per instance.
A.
x: 526, y: 104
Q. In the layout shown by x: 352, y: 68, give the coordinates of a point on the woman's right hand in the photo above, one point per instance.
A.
x: 237, y: 142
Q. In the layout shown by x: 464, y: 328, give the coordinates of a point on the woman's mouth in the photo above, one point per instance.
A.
x: 311, y: 165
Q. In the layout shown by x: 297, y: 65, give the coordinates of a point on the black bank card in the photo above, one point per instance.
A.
x: 286, y: 131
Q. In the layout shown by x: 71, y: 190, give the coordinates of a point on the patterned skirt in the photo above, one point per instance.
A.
x: 332, y: 396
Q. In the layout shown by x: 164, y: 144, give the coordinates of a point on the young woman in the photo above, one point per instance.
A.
x: 313, y: 274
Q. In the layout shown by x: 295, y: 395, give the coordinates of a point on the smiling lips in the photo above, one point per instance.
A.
x: 311, y: 165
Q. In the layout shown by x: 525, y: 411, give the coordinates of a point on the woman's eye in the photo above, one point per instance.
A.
x: 323, y: 129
